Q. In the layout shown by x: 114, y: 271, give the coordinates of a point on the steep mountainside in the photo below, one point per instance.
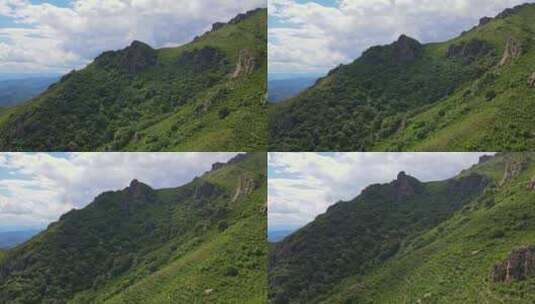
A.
x: 463, y: 240
x: 204, y: 242
x: 473, y: 92
x: 205, y: 95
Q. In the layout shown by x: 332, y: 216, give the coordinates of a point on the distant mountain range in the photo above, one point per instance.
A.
x: 474, y: 92
x: 203, y: 242
x: 282, y: 89
x: 11, y: 239
x: 15, y: 91
x: 207, y: 95
x: 278, y: 235
x: 468, y: 239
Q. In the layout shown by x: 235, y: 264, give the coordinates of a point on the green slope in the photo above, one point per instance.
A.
x: 450, y: 262
x: 194, y: 244
x: 445, y: 96
x: 205, y: 95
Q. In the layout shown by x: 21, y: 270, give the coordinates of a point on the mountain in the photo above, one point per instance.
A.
x: 468, y: 239
x: 15, y: 91
x: 10, y: 239
x: 472, y: 92
x: 282, y: 89
x: 207, y: 95
x: 203, y: 242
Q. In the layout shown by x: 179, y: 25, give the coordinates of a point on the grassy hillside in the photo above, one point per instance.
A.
x: 451, y: 261
x: 204, y: 242
x: 468, y: 93
x: 206, y: 95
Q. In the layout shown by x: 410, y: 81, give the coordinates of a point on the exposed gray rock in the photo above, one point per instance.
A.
x: 484, y: 20
x: 513, y: 167
x: 468, y: 51
x: 246, y: 185
x: 246, y: 64
x: 519, y: 266
x: 513, y: 50
x: 531, y: 80
x: 406, y: 49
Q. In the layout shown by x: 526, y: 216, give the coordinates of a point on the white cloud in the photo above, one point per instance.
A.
x: 56, y: 39
x: 313, y: 38
x: 36, y: 189
x: 303, y: 185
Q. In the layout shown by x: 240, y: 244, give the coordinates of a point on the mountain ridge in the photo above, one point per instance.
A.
x: 111, y: 250
x: 449, y: 245
x: 421, y: 97
x: 204, y: 95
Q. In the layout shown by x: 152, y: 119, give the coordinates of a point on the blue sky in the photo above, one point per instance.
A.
x: 54, y: 37
x: 312, y: 37
x: 303, y: 185
x: 36, y: 188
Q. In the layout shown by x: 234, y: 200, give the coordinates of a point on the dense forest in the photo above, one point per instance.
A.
x: 471, y: 93
x: 468, y: 239
x: 202, y: 242
x: 207, y: 95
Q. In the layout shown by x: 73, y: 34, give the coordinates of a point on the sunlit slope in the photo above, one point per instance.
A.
x: 473, y: 92
x: 205, y: 95
x: 204, y: 241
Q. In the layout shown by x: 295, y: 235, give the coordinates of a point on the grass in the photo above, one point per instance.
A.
x: 157, y: 246
x: 430, y: 103
x: 183, y: 101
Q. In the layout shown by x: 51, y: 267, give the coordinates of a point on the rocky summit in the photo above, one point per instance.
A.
x: 469, y: 93
x: 176, y: 245
x: 466, y: 239
x: 206, y: 95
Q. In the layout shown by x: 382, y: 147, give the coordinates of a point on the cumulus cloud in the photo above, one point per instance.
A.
x: 303, y: 185
x: 308, y: 37
x: 36, y: 189
x: 51, y: 38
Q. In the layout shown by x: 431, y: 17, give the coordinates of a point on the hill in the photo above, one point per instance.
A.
x: 472, y: 92
x: 413, y: 242
x: 10, y: 239
x: 208, y: 95
x: 201, y: 242
x: 15, y: 91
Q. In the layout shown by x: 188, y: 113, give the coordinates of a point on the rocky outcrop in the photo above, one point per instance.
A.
x: 203, y: 59
x: 206, y: 190
x: 246, y: 185
x: 512, y: 11
x: 484, y: 21
x: 531, y: 80
x: 405, y: 186
x: 485, y: 158
x: 244, y: 16
x: 217, y: 166
x: 133, y: 59
x: 246, y: 64
x: 513, y: 167
x: 519, y: 266
x: 138, y: 191
x: 473, y: 183
x: 531, y: 184
x: 513, y: 50
x: 406, y: 49
x: 468, y: 51
x: 217, y: 26
x: 136, y: 194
